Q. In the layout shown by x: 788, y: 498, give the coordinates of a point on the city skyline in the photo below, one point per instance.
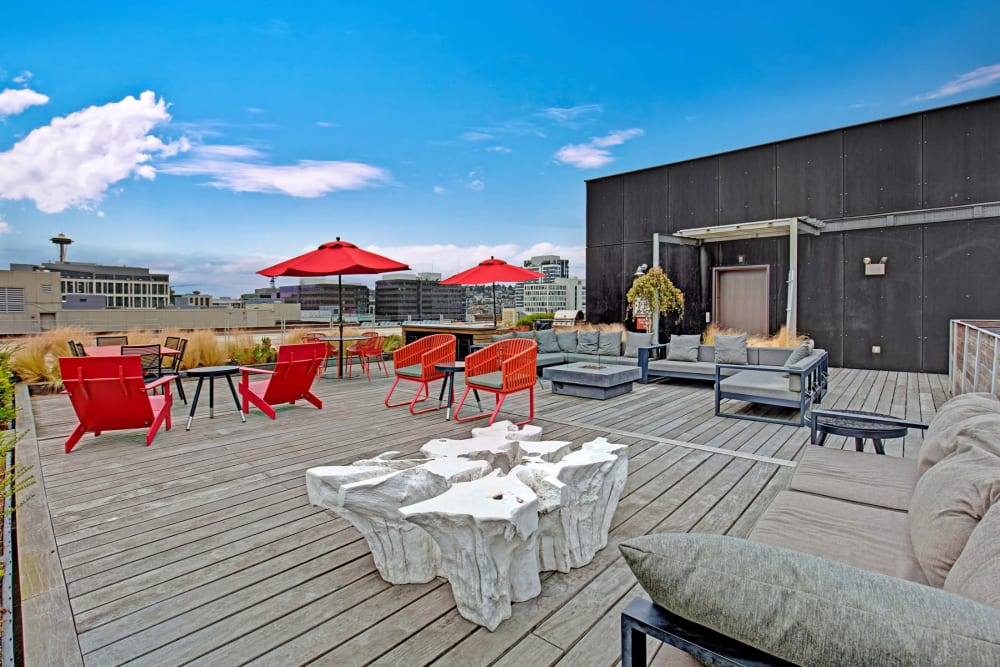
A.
x: 208, y: 142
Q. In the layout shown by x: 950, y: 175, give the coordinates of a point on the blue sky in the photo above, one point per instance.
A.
x: 211, y: 139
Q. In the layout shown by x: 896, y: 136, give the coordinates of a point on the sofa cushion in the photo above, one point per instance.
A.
x: 499, y: 337
x: 803, y: 350
x: 976, y: 573
x: 634, y: 340
x: 939, y: 440
x: 947, y: 504
x: 610, y: 360
x: 731, y: 349
x: 765, y: 384
x: 609, y: 343
x: 871, y: 538
x: 795, y: 379
x: 524, y: 334
x: 773, y: 356
x: 810, y: 610
x: 547, y: 341
x: 706, y: 368
x: 881, y: 481
x: 566, y: 340
x: 587, y: 342
x: 414, y: 371
x: 684, y: 348
x: 494, y: 380
x: 550, y: 359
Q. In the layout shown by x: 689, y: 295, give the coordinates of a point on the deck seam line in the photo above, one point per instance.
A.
x: 671, y: 441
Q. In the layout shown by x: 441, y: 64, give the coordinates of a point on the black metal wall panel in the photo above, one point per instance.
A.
x: 646, y: 204
x: 605, y: 277
x: 962, y: 154
x: 747, y: 185
x: 604, y: 211
x: 883, y: 310
x: 694, y: 194
x: 882, y: 170
x: 961, y: 280
x: 821, y: 293
x: 811, y: 176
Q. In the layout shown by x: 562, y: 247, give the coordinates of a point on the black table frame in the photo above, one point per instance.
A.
x: 860, y: 426
x: 212, y: 372
x: 449, y: 370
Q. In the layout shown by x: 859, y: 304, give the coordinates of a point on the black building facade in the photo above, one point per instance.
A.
x: 922, y: 190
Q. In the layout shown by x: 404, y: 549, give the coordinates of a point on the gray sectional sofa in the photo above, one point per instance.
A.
x: 566, y: 346
x: 863, y: 560
x: 764, y: 377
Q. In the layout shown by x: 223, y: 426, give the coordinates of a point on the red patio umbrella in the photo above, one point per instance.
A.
x: 338, y: 258
x: 492, y: 271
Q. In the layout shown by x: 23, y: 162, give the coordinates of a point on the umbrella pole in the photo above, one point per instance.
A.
x: 494, y: 305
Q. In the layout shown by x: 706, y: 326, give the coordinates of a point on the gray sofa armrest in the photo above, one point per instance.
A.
x: 657, y: 351
x: 807, y: 383
x: 810, y: 610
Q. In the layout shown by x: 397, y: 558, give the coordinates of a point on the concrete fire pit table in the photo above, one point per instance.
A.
x: 592, y: 380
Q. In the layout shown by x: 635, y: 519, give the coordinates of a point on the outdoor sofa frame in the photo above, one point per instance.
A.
x: 812, y: 386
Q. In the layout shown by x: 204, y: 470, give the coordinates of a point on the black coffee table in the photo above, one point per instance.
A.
x: 450, y: 369
x: 859, y: 425
x: 212, y: 372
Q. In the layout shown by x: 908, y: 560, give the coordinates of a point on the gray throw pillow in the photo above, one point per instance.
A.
x: 731, y: 349
x: 976, y: 573
x: 810, y: 610
x: 634, y: 340
x: 499, y: 337
x: 547, y: 341
x: 684, y: 348
x: 803, y: 350
x: 609, y: 343
x: 587, y: 342
x: 566, y: 340
x: 524, y: 334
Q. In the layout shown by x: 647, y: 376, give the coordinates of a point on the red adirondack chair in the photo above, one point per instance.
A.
x: 290, y: 380
x: 109, y: 394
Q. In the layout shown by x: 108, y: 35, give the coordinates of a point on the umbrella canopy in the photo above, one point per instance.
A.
x: 338, y: 258
x: 492, y: 271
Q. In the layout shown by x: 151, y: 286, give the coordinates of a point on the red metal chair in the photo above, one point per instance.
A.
x: 109, y: 394
x: 290, y: 380
x: 503, y: 368
x: 366, y: 350
x: 415, y: 362
x: 332, y: 351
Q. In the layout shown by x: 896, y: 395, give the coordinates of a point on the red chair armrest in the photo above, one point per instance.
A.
x: 165, y: 380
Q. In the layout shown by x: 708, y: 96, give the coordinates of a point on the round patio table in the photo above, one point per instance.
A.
x: 859, y: 429
x: 449, y: 369
x: 212, y: 372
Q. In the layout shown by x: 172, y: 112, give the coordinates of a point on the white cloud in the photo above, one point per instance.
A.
x: 241, y: 169
x: 977, y: 78
x: 438, y: 189
x: 254, y: 110
x: 326, y: 123
x: 14, y: 101
x: 498, y: 149
x: 477, y: 184
x: 23, y: 77
x: 569, y: 114
x: 72, y: 161
x: 594, y: 153
x: 5, y: 227
x: 476, y: 136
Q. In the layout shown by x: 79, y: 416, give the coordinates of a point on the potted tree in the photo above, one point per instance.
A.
x: 651, y: 294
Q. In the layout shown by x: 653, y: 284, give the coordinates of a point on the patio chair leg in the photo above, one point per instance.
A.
x: 74, y: 437
x: 496, y: 410
x: 427, y: 395
x: 461, y: 402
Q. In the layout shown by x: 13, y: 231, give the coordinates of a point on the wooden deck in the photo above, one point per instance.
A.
x: 203, y: 548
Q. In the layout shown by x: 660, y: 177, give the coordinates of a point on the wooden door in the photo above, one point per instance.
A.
x: 740, y: 298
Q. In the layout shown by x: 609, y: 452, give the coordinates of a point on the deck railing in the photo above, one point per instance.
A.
x: 974, y: 356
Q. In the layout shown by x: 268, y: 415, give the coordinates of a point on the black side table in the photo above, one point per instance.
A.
x: 449, y: 370
x: 212, y: 372
x: 852, y: 424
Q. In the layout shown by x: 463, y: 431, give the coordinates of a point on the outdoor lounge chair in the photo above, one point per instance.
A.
x: 109, y: 394
x: 291, y: 379
x: 503, y: 368
x: 367, y: 350
x: 415, y: 362
x: 111, y: 340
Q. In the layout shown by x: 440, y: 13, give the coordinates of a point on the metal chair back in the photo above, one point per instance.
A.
x: 112, y: 340
x: 149, y: 355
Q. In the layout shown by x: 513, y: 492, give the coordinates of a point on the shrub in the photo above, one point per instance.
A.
x: 13, y: 479
x: 244, y: 351
x: 779, y: 339
x: 392, y: 342
x: 203, y: 349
